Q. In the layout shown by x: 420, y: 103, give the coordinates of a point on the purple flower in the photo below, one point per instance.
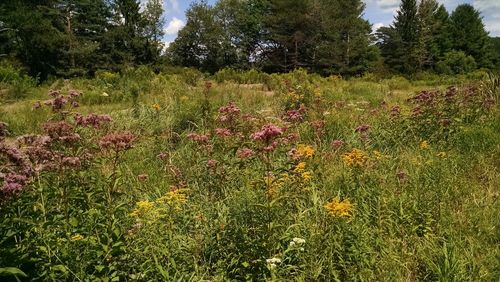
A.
x: 117, y: 141
x: 223, y: 132
x: 267, y: 133
x: 245, y: 153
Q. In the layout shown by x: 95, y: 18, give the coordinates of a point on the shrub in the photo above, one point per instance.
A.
x: 456, y: 62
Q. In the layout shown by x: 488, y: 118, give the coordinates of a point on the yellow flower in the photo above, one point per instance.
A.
x: 156, y: 106
x: 143, y: 208
x: 175, y: 198
x: 338, y: 208
x: 355, y: 158
x: 442, y: 154
x: 424, y: 145
x: 305, y: 151
x: 317, y: 93
x: 76, y: 237
x: 306, y: 175
x: 300, y: 167
x: 377, y: 155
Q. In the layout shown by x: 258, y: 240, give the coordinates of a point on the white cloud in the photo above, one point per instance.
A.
x: 175, y: 5
x: 388, y: 5
x: 174, y: 26
x: 376, y: 26
x: 485, y: 5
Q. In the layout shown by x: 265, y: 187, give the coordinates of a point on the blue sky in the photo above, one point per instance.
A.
x: 378, y: 12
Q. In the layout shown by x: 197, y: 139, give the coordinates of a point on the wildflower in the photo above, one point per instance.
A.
x: 117, y: 141
x: 424, y: 145
x: 211, y: 164
x: 395, y: 111
x: 245, y: 153
x: 362, y: 128
x: 92, y: 120
x: 337, y: 143
x: 267, y: 133
x: 198, y: 138
x: 175, y: 198
x: 442, y: 154
x: 355, y: 158
x: 300, y: 167
x: 37, y: 105
x: 377, y: 155
x: 156, y: 106
x: 104, y: 94
x: 73, y: 162
x: 305, y: 151
x: 273, y: 262
x: 338, y: 208
x: 76, y: 237
x: 143, y: 208
x: 294, y: 115
x: 223, y: 132
x: 306, y: 175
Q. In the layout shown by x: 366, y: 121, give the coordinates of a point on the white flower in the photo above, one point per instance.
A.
x: 104, y: 94
x: 292, y: 244
x: 272, y: 261
x: 298, y: 241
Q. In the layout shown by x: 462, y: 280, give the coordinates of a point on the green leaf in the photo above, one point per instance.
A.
x: 12, y: 271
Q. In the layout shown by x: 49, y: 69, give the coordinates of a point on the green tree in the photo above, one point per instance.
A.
x: 469, y: 35
x: 153, y: 28
x: 198, y: 44
x: 344, y: 37
x: 35, y: 34
x: 289, y: 32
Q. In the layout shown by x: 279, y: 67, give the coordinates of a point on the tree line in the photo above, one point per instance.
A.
x: 79, y: 37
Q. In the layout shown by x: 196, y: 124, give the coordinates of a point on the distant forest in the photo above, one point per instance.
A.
x: 70, y: 38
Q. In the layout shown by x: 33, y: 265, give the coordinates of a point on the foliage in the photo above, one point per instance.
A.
x: 202, y: 178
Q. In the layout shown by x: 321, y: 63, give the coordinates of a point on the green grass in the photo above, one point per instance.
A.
x: 418, y: 214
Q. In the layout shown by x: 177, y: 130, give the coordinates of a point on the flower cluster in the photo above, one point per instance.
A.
x: 92, y: 120
x: 338, y: 208
x: 267, y: 133
x: 302, y: 152
x: 59, y: 100
x: 198, y: 138
x: 61, y: 131
x: 117, y: 141
x: 245, y: 153
x: 273, y: 262
x: 297, y: 243
x: 355, y: 158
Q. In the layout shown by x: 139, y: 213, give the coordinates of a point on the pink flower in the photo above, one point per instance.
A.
x: 198, y: 138
x: 92, y: 120
x: 117, y: 141
x: 362, y: 128
x: 73, y: 162
x: 245, y: 153
x: 223, y: 132
x: 337, y: 143
x: 267, y: 132
x: 211, y: 163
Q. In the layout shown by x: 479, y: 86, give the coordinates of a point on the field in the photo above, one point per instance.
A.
x: 246, y: 176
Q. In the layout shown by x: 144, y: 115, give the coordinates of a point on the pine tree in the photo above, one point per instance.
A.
x: 289, y: 28
x: 344, y: 37
x: 469, y: 35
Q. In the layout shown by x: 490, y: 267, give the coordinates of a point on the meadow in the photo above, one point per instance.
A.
x: 248, y: 176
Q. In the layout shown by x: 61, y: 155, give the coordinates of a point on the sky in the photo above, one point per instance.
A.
x: 377, y: 12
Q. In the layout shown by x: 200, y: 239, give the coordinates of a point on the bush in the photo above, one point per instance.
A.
x: 14, y: 84
x: 456, y: 62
